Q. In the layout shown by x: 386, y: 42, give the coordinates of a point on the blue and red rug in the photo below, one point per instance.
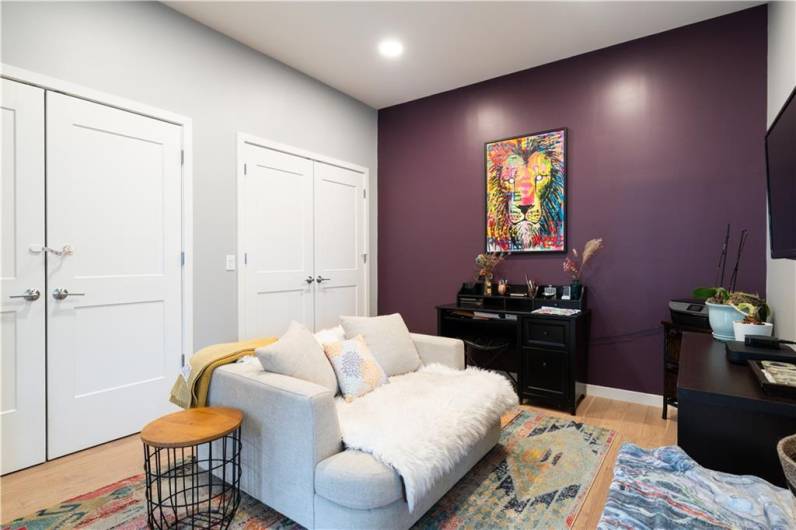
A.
x: 536, y: 477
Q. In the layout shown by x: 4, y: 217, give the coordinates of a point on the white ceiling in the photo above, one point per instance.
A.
x: 447, y: 44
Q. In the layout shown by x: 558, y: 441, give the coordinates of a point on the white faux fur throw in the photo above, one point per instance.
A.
x: 424, y: 422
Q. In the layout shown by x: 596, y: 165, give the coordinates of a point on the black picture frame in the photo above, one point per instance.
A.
x: 565, y: 137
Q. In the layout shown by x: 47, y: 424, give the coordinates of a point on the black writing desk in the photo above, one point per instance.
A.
x: 548, y: 353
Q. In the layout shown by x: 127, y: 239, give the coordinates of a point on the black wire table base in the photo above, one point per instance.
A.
x: 193, y: 487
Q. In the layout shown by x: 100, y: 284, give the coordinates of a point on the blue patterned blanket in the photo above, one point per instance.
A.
x: 665, y: 488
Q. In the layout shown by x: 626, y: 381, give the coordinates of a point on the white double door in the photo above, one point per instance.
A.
x: 22, y: 274
x: 103, y: 337
x: 302, y: 238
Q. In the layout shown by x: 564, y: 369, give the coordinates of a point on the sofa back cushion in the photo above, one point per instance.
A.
x: 357, y: 370
x: 328, y: 335
x: 388, y: 339
x: 299, y: 355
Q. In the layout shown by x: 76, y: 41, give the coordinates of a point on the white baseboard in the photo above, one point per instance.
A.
x: 620, y: 394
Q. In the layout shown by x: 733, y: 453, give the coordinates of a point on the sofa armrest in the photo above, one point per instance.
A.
x: 289, y: 425
x: 442, y: 350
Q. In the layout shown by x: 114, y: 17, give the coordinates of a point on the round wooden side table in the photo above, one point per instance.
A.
x: 192, y: 467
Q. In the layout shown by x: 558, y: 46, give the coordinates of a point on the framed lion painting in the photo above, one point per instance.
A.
x: 526, y: 193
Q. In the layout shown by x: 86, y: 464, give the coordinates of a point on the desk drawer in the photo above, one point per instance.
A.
x: 545, y: 333
x: 545, y: 371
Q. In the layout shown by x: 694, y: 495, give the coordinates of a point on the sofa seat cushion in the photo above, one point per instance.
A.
x: 357, y: 480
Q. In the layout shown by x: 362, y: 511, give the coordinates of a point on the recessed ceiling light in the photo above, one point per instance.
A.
x: 391, y: 48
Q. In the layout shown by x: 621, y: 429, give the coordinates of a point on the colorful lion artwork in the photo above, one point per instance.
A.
x: 526, y: 193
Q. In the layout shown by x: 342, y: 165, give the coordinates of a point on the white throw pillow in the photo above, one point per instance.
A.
x: 357, y: 370
x: 299, y: 355
x: 388, y: 339
x: 329, y: 335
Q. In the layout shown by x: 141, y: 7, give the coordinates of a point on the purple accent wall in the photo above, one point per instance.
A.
x: 665, y: 148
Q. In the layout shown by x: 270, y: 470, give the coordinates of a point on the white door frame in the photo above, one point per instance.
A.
x: 56, y: 85
x: 250, y: 139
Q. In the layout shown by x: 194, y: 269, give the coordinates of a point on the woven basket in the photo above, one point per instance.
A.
x: 786, y: 449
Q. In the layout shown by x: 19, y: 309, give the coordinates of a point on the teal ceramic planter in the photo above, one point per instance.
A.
x: 721, y: 318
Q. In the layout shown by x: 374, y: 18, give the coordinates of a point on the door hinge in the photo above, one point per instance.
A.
x: 364, y: 194
x: 182, y: 259
x: 245, y: 258
x: 364, y: 258
x: 182, y: 157
x: 182, y: 359
x: 245, y: 169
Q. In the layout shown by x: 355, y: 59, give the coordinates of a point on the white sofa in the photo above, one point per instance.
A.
x: 294, y: 461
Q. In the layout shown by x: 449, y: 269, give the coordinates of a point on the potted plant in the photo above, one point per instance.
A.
x: 487, y: 263
x: 574, y: 265
x: 726, y: 308
x: 756, y: 313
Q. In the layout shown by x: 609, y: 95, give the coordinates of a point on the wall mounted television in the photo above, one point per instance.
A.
x: 781, y: 174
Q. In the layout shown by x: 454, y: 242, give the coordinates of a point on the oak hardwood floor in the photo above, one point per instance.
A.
x: 41, y: 486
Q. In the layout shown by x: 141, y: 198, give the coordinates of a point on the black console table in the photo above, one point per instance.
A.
x: 725, y: 420
x: 548, y: 353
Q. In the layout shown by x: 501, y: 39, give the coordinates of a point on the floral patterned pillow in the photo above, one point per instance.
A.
x: 357, y: 370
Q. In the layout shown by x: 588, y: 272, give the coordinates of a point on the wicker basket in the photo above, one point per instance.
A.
x: 786, y: 449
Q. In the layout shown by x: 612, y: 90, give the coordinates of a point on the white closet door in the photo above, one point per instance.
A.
x: 339, y: 244
x: 22, y: 395
x: 275, y: 197
x: 114, y: 343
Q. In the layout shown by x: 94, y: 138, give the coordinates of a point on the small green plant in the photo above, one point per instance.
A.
x: 754, y: 308
x: 713, y: 295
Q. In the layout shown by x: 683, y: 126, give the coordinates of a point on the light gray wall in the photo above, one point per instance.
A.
x: 781, y: 273
x: 149, y: 53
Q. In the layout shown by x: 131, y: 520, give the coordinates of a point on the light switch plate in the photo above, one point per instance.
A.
x: 230, y: 262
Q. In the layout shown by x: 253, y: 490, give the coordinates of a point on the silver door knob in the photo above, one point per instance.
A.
x: 62, y: 294
x: 309, y: 279
x: 31, y: 295
x: 321, y: 279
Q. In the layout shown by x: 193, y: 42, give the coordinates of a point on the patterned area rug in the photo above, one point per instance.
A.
x: 536, y: 477
x: 665, y: 488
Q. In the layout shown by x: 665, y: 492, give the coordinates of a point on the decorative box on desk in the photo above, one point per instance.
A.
x: 547, y: 353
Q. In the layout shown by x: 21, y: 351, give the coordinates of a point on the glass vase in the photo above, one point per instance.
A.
x: 575, y: 289
x: 488, y: 285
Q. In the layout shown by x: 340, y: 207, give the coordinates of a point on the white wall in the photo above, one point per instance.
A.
x: 151, y: 54
x: 781, y: 273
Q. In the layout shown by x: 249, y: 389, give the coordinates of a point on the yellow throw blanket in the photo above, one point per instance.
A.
x: 192, y: 392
